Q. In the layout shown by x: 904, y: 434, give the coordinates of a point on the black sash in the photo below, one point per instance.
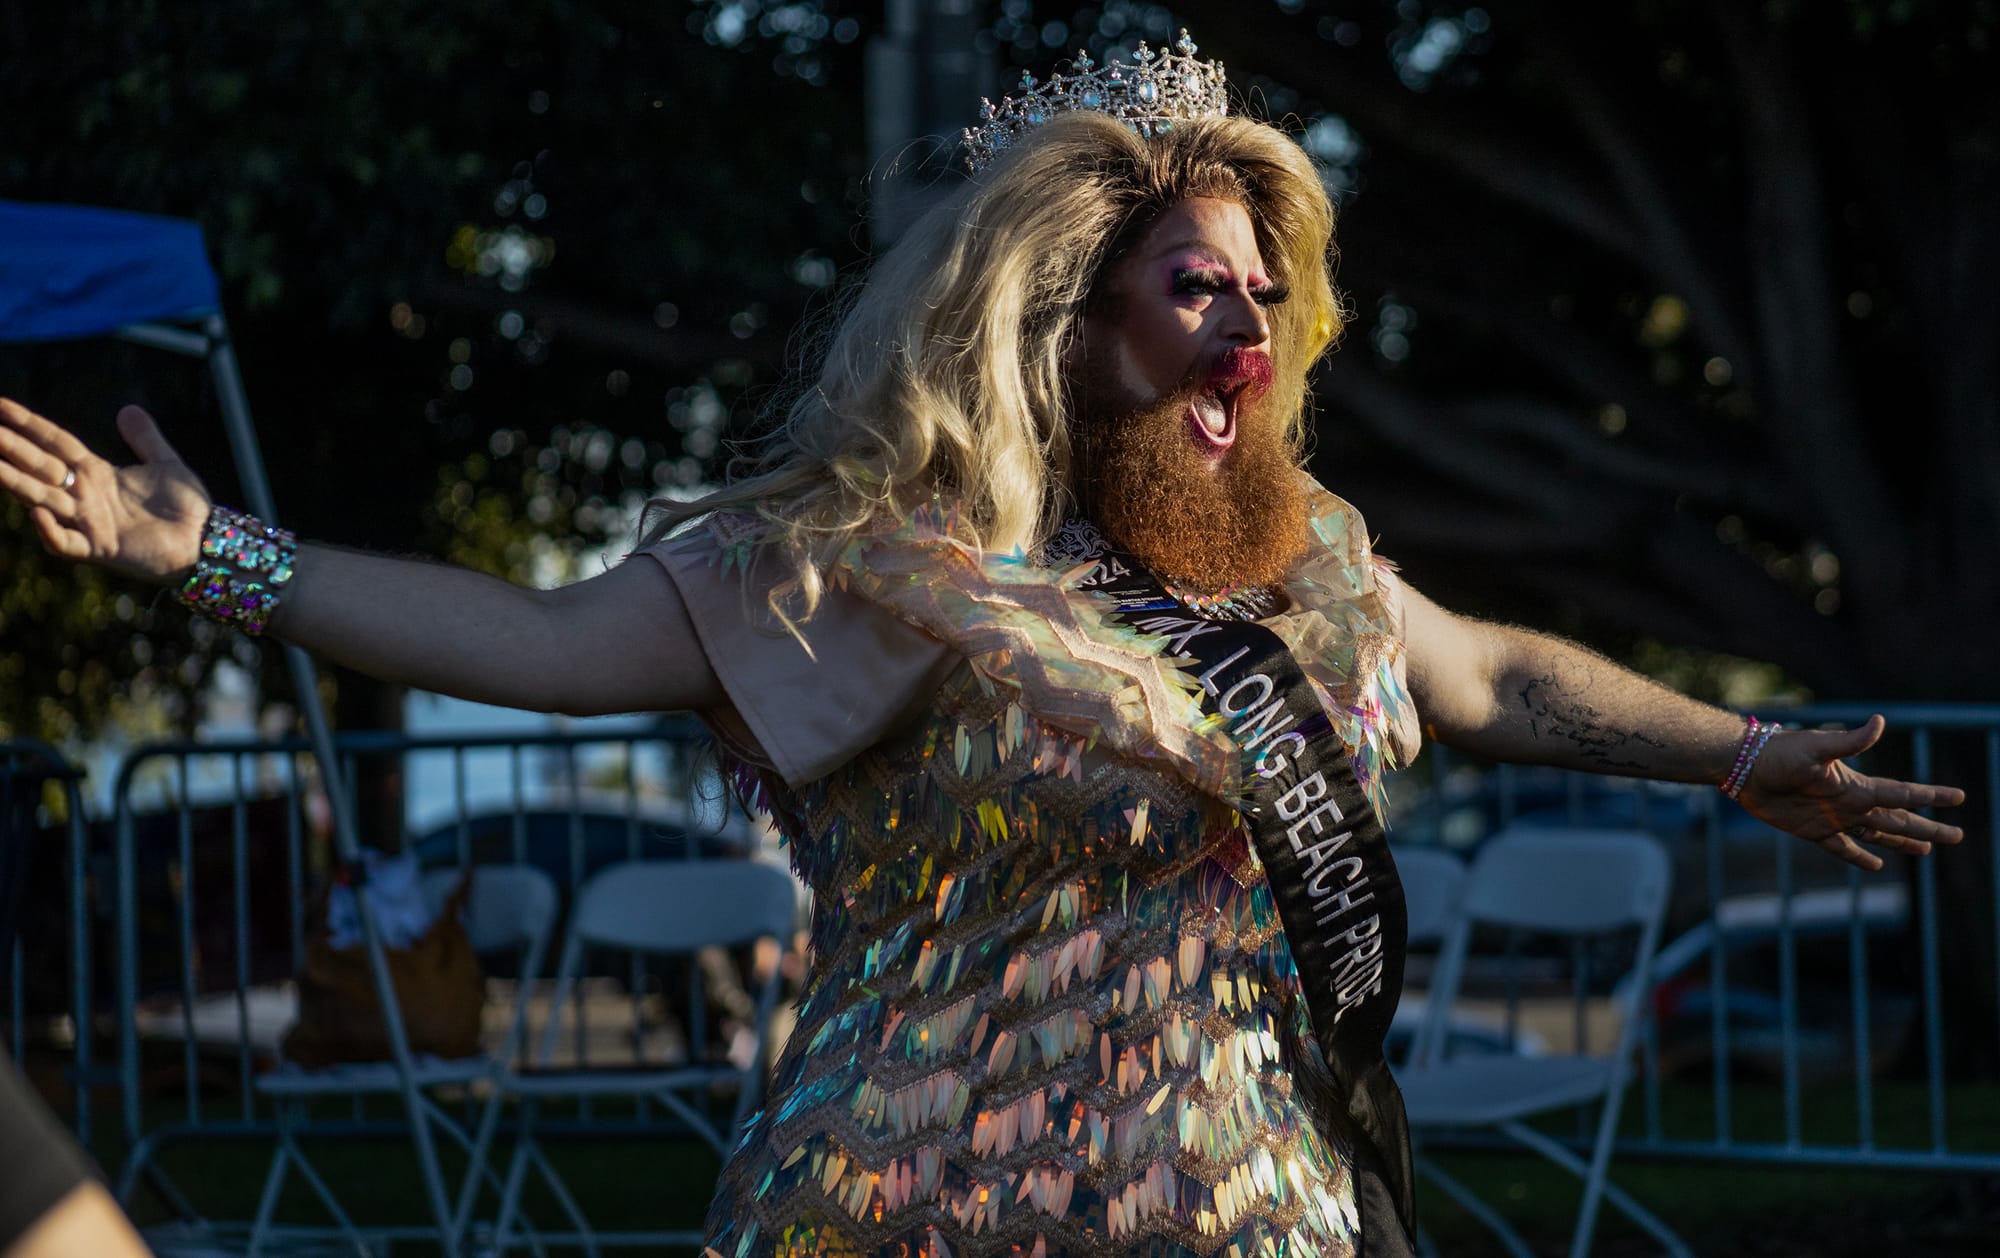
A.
x: 1321, y: 844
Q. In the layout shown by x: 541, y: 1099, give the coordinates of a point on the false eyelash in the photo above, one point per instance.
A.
x: 1190, y: 281
x: 1194, y: 279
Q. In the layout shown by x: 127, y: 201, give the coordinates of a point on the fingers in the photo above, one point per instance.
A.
x: 31, y: 458
x: 35, y: 490
x: 57, y: 540
x: 1890, y: 793
x: 1897, y: 821
x: 1888, y: 842
x: 1830, y: 745
x: 1892, y: 830
x: 1845, y: 848
x: 57, y: 441
x: 143, y: 435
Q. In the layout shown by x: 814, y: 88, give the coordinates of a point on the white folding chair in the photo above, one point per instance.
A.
x: 660, y: 908
x: 1571, y: 883
x: 1432, y: 879
x: 508, y: 908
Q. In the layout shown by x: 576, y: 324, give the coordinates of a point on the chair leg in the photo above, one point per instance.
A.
x: 433, y: 1177
x: 517, y: 1172
x: 326, y: 1197
x: 476, y: 1168
x: 267, y: 1203
x: 140, y: 1163
x: 1562, y: 1156
x: 585, y: 1236
x: 1478, y: 1209
x: 288, y: 1152
x: 698, y: 1121
x: 477, y: 1150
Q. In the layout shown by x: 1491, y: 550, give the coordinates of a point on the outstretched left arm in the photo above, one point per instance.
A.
x: 1512, y: 694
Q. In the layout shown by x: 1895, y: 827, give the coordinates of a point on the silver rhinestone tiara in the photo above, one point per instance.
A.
x: 1156, y: 91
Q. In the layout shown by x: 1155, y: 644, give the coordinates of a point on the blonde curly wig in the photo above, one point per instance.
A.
x: 947, y: 373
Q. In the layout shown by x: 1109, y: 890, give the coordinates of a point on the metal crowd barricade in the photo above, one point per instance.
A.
x: 217, y: 845
x: 183, y: 915
x: 28, y: 768
x: 1742, y: 887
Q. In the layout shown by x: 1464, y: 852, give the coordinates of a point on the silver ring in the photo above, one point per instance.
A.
x: 1858, y: 829
x: 68, y: 480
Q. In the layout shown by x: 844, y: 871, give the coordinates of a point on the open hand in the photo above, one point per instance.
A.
x: 1800, y: 785
x: 145, y: 520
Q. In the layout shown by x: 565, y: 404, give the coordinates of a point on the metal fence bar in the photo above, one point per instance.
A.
x: 520, y: 824
x: 1857, y: 967
x: 635, y: 971
x: 239, y: 855
x: 460, y: 811
x: 81, y: 965
x: 1920, y: 756
x: 576, y: 877
x: 295, y: 861
x: 189, y: 1056
x: 127, y: 923
x: 461, y: 842
x: 1649, y: 1081
x: 1788, y: 988
x: 1718, y: 980
x: 1993, y: 835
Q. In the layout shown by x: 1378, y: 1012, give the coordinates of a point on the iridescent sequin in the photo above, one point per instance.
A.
x: 1049, y: 1011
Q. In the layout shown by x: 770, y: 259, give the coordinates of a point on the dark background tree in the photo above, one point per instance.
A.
x: 495, y: 275
x: 1673, y: 325
x: 1675, y: 320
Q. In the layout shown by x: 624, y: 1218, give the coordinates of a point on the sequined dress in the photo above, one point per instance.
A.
x: 1050, y: 1006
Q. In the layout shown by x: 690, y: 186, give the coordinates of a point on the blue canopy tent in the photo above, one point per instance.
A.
x: 74, y: 273
x: 68, y: 272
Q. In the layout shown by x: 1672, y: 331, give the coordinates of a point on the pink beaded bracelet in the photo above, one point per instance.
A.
x: 1754, y: 737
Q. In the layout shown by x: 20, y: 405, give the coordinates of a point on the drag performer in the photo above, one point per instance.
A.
x: 1070, y: 692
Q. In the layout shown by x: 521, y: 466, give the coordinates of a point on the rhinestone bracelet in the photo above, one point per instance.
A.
x: 1754, y: 738
x: 242, y: 571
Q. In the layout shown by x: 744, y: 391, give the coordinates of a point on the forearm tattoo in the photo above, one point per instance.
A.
x: 1556, y: 715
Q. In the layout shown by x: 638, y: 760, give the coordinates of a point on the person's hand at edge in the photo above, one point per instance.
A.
x: 144, y: 520
x: 85, y: 1224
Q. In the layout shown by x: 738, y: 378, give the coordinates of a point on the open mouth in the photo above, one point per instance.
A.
x: 1239, y: 373
x: 1212, y: 419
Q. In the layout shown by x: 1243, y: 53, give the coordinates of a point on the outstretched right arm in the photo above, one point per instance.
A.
x: 620, y: 642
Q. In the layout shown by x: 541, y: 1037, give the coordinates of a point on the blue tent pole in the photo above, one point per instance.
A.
x: 213, y: 344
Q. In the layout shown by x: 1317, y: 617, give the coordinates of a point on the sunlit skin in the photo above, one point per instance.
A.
x: 1193, y: 290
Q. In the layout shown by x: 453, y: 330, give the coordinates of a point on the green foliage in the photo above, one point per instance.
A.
x: 81, y: 646
x: 435, y: 224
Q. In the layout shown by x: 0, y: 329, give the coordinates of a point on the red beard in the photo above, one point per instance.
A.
x: 1144, y: 478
